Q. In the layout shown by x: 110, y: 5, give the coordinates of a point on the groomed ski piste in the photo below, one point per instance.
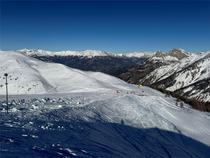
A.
x: 57, y: 111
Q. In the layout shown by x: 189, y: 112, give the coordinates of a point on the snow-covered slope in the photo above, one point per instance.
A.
x: 170, y: 68
x: 72, y: 113
x: 183, y: 73
x: 31, y: 76
x: 194, y: 71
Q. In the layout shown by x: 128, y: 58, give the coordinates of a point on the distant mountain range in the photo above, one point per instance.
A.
x: 85, y: 53
x: 88, y: 53
x: 91, y: 60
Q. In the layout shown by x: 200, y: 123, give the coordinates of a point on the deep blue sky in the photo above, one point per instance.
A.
x: 105, y: 25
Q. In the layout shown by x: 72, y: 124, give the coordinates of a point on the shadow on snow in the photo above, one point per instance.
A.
x: 96, y: 139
